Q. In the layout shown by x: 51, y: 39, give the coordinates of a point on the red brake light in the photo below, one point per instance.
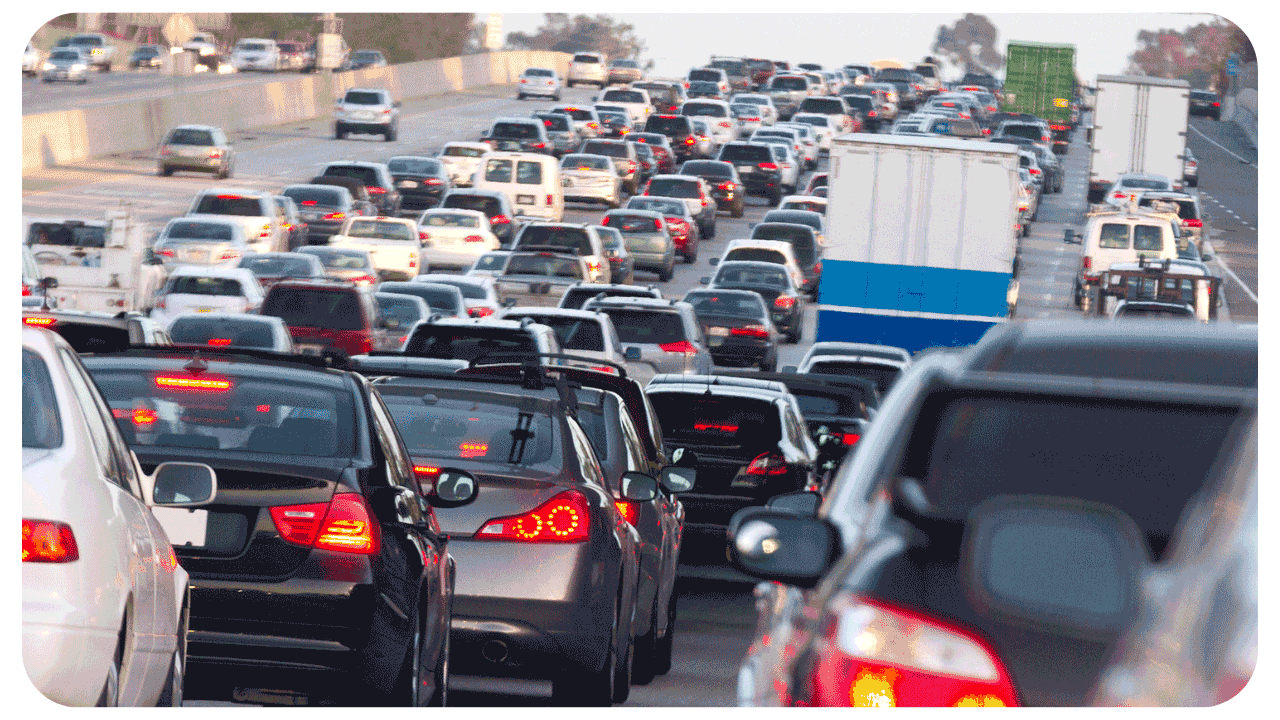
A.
x: 627, y: 510
x: 144, y: 416
x: 1034, y: 171
x: 768, y: 166
x: 784, y: 301
x: 689, y: 140
x: 682, y: 346
x: 343, y: 525
x: 335, y: 216
x: 851, y: 438
x: 215, y: 153
x: 499, y: 220
x: 219, y: 342
x: 375, y: 190
x: 1217, y: 104
x: 564, y: 518
x: 550, y: 199
x: 480, y: 311
x: 755, y: 331
x: 882, y: 656
x: 871, y: 113
x: 183, y: 382
x: 39, y: 321
x: 719, y: 428
x: 473, y: 449
x: 423, y: 235
x: 474, y: 238
x: 307, y: 202
x: 1192, y: 223
x: 228, y: 197
x: 426, y: 470
x: 768, y: 463
x: 1119, y: 195
x: 26, y: 289
x: 657, y: 224
x: 1086, y: 262
x: 605, y: 369
x: 48, y: 541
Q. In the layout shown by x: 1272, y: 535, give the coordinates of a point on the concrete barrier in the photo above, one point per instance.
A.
x: 69, y: 136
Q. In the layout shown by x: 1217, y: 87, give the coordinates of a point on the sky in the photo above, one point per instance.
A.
x: 677, y: 42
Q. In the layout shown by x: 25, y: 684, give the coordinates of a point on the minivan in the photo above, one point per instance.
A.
x: 531, y: 181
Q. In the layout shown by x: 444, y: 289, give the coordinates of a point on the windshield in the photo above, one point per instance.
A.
x: 445, y: 424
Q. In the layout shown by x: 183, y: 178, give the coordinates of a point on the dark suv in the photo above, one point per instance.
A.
x: 329, y: 315
x: 421, y: 181
x: 377, y: 181
x: 678, y: 129
x: 319, y: 569
x: 1205, y: 102
x: 322, y: 208
x: 756, y: 168
x: 519, y: 135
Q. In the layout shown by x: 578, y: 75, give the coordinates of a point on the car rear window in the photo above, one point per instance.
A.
x: 737, y: 425
x: 359, y: 97
x: 658, y: 204
x: 556, y: 122
x: 251, y: 414
x: 414, y: 166
x: 882, y: 375
x: 1147, y: 459
x: 586, y: 59
x: 717, y: 303
x: 337, y: 259
x: 731, y: 67
x: 372, y: 228
x: 753, y: 275
x: 1156, y: 311
x: 746, y: 154
x: 276, y: 266
x: 838, y: 403
x: 188, y: 136
x: 668, y: 124
x: 41, y: 425
x: 713, y: 76
x: 573, y: 333
x: 186, y: 230
x: 788, y: 83
x: 197, y: 285
x: 672, y: 187
x: 91, y: 337
x: 453, y: 220
x: 565, y: 237
x: 705, y: 109
x: 646, y: 326
x: 215, y: 204
x: 1143, y: 184
x: 756, y: 255
x: 624, y: 96
x: 702, y: 169
x: 462, y: 152
x: 467, y: 343
x: 447, y: 299
x: 1025, y: 130
x: 538, y: 72
x: 452, y: 424
x: 470, y: 291
x: 822, y: 105
x: 1186, y: 208
x: 543, y: 264
x: 519, y: 131
x: 585, y: 162
x: 314, y: 195
x: 616, y: 149
x: 633, y: 223
x: 366, y: 175
x: 490, y: 206
x: 229, y: 332
x: 399, y: 308
x: 333, y: 309
x: 801, y: 239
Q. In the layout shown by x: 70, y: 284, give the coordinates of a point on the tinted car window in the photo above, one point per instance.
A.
x: 623, y: 96
x: 573, y: 333
x: 521, y: 131
x: 633, y: 223
x: 490, y: 206
x: 538, y: 72
x: 371, y: 228
x: 574, y: 238
x: 196, y: 285
x: 575, y: 298
x: 756, y: 255
x: 736, y: 424
x: 1031, y: 132
x: 337, y: 259
x: 277, y: 266
x: 556, y: 122
x: 755, y: 275
x: 315, y: 307
x: 198, y: 231
x: 414, y: 166
x: 646, y: 326
x: 302, y: 418
x: 746, y: 154
x: 41, y: 425
x: 436, y: 298
x: 714, y: 303
x: 704, y: 109
x: 466, y: 343
x: 187, y: 136
x: 704, y: 75
x: 543, y: 264
x: 585, y: 162
x: 822, y: 105
x: 91, y: 337
x: 88, y: 236
x: 673, y: 187
x: 586, y: 59
x: 195, y: 330
x: 714, y: 169
x: 814, y: 403
x: 403, y: 310
x: 359, y: 97
x: 366, y: 175
x: 463, y: 152
x: 214, y: 204
x: 459, y: 424
x: 789, y: 83
x: 881, y: 375
x: 528, y: 173
x: 314, y: 195
x: 608, y: 149
x: 668, y: 124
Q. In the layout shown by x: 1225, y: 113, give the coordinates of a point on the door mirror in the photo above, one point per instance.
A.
x: 781, y: 546
x: 452, y: 488
x: 715, y: 261
x: 182, y: 484
x: 1071, y: 237
x: 789, y: 369
x: 639, y: 487
x: 509, y: 302
x: 705, y: 280
x: 802, y: 502
x: 631, y: 352
x: 678, y: 479
x: 48, y: 283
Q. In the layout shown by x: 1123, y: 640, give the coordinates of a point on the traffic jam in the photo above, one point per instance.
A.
x: 478, y: 409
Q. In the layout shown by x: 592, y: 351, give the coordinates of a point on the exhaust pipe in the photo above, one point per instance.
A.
x: 494, y: 651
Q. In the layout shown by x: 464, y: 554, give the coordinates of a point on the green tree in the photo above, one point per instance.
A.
x: 581, y: 33
x: 1197, y: 55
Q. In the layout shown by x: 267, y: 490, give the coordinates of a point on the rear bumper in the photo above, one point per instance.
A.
x: 203, y: 164
x: 67, y: 663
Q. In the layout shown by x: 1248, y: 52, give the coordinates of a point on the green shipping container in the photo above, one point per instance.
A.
x: 1040, y: 79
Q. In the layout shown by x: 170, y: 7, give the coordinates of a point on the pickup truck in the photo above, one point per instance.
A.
x: 99, y: 265
x: 96, y: 46
x: 538, y: 275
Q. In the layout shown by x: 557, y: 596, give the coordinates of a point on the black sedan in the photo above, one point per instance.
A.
x: 147, y: 57
x: 737, y: 326
x: 726, y: 188
x: 319, y: 570
x: 422, y: 181
x: 772, y: 281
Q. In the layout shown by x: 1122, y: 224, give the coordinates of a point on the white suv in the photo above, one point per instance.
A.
x: 256, y: 54
x: 588, y: 67
x: 367, y: 110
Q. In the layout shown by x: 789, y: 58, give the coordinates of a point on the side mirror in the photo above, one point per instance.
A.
x: 715, y: 261
x: 752, y: 226
x: 631, y: 352
x: 678, y: 479
x: 1055, y: 564
x: 48, y: 283
x: 781, y: 546
x: 1069, y: 236
x: 684, y: 457
x: 396, y: 104
x: 639, y: 487
x: 509, y: 302
x: 452, y: 488
x: 183, y: 484
x: 705, y: 280
x: 801, y: 502
x: 594, y: 98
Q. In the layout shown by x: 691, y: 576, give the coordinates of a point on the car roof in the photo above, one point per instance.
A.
x: 237, y: 317
x: 236, y: 273
x: 529, y: 310
x: 766, y: 390
x: 466, y: 144
x: 781, y: 246
x: 645, y: 303
x: 855, y: 359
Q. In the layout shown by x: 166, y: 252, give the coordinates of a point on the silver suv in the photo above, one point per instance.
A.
x: 588, y: 67
x: 658, y: 336
x: 364, y: 110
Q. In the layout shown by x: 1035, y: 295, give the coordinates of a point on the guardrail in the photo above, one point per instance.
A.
x: 68, y: 136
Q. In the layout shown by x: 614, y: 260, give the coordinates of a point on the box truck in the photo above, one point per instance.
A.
x: 1139, y: 125
x: 921, y: 239
x: 1040, y: 79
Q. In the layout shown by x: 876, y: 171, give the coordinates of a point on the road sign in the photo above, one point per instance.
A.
x: 493, y: 32
x: 178, y: 29
x: 1233, y: 64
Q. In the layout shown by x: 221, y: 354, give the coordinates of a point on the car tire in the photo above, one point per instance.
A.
x: 668, y: 272
x: 165, y: 171
x: 110, y: 695
x: 1195, y: 182
x: 690, y: 258
x: 389, y: 135
x: 338, y: 132
x: 572, y: 687
x: 663, y: 647
x: 440, y: 698
x: 775, y: 198
x: 569, y: 83
x: 171, y: 696
x: 643, y: 650
x: 520, y: 96
x: 709, y: 232
x: 737, y: 210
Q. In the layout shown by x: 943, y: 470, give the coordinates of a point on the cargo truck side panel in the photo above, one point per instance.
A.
x: 1040, y: 80
x: 1139, y: 125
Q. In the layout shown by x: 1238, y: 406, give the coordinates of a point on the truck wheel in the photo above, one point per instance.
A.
x: 165, y: 171
x: 668, y: 272
x: 390, y: 134
x: 737, y: 210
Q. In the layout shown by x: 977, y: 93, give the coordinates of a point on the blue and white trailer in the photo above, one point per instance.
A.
x: 921, y: 240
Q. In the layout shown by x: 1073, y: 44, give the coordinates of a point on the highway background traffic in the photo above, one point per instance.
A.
x: 716, y: 616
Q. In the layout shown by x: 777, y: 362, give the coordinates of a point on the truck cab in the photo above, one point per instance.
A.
x: 99, y: 265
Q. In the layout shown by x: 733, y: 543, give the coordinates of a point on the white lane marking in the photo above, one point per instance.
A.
x: 1207, y: 138
x: 1222, y: 264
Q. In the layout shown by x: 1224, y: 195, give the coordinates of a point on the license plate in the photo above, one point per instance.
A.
x: 718, y: 331
x: 309, y: 216
x: 364, y: 116
x: 524, y: 200
x: 185, y: 528
x: 714, y: 341
x: 309, y: 349
x: 746, y: 168
x: 407, y: 184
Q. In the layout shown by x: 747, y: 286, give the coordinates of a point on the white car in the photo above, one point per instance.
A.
x: 201, y: 240
x: 104, y: 601
x: 240, y: 330
x: 588, y: 67
x: 768, y: 111
x: 462, y: 160
x: 812, y: 203
x: 490, y: 264
x: 207, y: 290
x: 454, y: 239
x: 256, y: 54
x: 1136, y: 184
x: 778, y: 252
x: 255, y: 210
x: 30, y: 60
x: 809, y: 147
x: 591, y: 178
x: 588, y: 333
x: 823, y: 125
x: 540, y: 82
x: 724, y: 126
x: 636, y: 102
x: 878, y: 369
x: 394, y: 244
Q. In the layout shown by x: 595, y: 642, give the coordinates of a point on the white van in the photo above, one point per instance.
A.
x: 530, y: 181
x: 588, y: 67
x: 1119, y: 236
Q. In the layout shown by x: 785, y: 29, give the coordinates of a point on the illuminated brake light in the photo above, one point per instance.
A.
x: 851, y: 438
x: 755, y: 331
x: 219, y: 342
x: 344, y: 525
x: 473, y: 238
x: 1119, y: 196
x: 1034, y: 171
x: 682, y: 346
x: 48, y: 542
x: 39, y: 321
x: 335, y: 216
x: 768, y: 166
x: 144, y: 416
x: 427, y: 470
x: 473, y: 449
x: 564, y: 518
x: 768, y: 463
x: 785, y: 302
x: 627, y: 510
x: 228, y: 197
x: 375, y: 190
x: 1086, y: 262
x: 1192, y: 223
x: 307, y: 202
x: 718, y: 428
x: 499, y: 220
x: 179, y: 382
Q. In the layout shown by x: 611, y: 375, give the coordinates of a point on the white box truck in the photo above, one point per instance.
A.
x: 100, y: 265
x: 921, y: 240
x: 1139, y: 125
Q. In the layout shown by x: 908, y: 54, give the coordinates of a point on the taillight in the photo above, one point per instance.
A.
x: 768, y: 463
x: 564, y: 518
x: 657, y: 224
x: 266, y: 231
x: 422, y: 235
x: 627, y: 510
x: 48, y: 542
x: 1192, y: 223
x: 26, y: 290
x: 335, y: 216
x: 631, y: 166
x: 1034, y: 171
x: 364, y: 280
x: 593, y: 126
x: 593, y: 266
x: 215, y: 153
x: 768, y: 166
x: 850, y: 438
x: 433, y: 181
x: 1119, y: 195
x: 1086, y: 262
x: 682, y: 346
x: 1217, y: 104
x: 229, y: 255
x: 191, y: 382
x: 375, y: 190
x: 874, y: 655
x: 342, y: 525
x: 871, y: 113
x: 689, y: 140
x: 755, y: 331
x: 476, y: 238
x: 144, y: 416
x: 605, y: 369
x: 481, y: 311
x: 785, y: 302
x: 499, y: 220
x: 550, y: 199
x: 817, y: 268
x: 39, y: 321
x: 219, y: 342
